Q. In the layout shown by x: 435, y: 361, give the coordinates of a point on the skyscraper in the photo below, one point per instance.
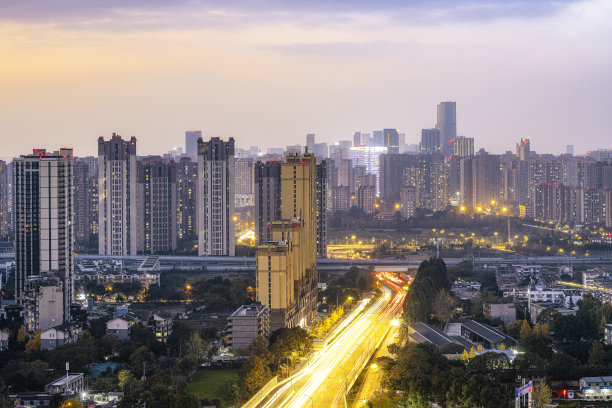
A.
x: 430, y: 140
x: 117, y: 196
x: 447, y: 125
x: 463, y: 146
x: 191, y: 143
x: 157, y: 204
x: 523, y: 150
x: 187, y: 201
x: 4, y: 212
x: 391, y: 140
x: 286, y: 268
x: 310, y: 142
x: 85, y: 203
x: 216, y: 228
x: 267, y: 198
x: 323, y: 169
x: 43, y: 208
x: 244, y: 171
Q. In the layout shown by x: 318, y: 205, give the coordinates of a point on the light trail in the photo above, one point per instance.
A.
x: 323, y: 380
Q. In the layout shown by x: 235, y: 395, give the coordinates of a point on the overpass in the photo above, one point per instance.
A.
x: 247, y: 264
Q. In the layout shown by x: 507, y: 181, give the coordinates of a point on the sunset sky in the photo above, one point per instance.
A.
x: 268, y: 71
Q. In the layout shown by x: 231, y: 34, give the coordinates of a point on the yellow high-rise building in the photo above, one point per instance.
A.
x: 286, y: 266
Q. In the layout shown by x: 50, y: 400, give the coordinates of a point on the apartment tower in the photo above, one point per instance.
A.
x: 216, y: 168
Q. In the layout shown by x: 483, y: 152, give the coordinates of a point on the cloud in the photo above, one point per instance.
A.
x: 177, y: 14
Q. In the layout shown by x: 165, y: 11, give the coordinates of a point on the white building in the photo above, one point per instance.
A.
x: 120, y: 327
x: 117, y: 190
x: 596, y: 388
x: 44, y: 208
x: 216, y: 228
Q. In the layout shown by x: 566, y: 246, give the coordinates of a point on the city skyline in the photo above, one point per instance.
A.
x: 154, y: 70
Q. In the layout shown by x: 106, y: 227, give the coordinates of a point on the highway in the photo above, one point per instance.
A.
x: 324, y: 379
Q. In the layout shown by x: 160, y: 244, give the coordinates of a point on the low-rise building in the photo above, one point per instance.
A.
x: 33, y: 399
x: 608, y: 334
x: 596, y: 388
x: 162, y: 326
x: 120, y: 327
x: 4, y: 339
x: 420, y: 332
x: 69, y: 384
x: 248, y: 322
x: 535, y: 309
x: 59, y: 335
x: 479, y: 334
x: 506, y: 312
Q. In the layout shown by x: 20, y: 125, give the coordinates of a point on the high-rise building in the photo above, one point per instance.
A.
x: 557, y: 202
x: 244, y: 182
x: 408, y: 201
x: 43, y: 208
x: 191, y: 143
x: 368, y: 156
x: 377, y: 139
x: 117, y: 196
x: 357, y: 139
x: 463, y: 146
x: 320, y: 151
x: 216, y: 227
x: 187, y: 202
x: 310, y: 142
x: 569, y: 150
x: 286, y: 267
x: 523, y: 149
x: 156, y: 206
x: 391, y: 140
x: 4, y: 211
x: 85, y: 204
x: 430, y: 140
x: 267, y: 198
x: 341, y: 196
x: 321, y: 206
x: 447, y: 125
x: 366, y: 194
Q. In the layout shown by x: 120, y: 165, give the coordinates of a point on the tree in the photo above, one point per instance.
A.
x: 252, y: 377
x: 541, y: 394
x: 545, y: 330
x: 525, y: 329
x: 444, y: 306
x: 21, y: 334
x: 597, y: 355
x: 514, y: 329
x: 196, y: 348
x: 259, y: 347
x: 34, y: 343
x: 125, y: 377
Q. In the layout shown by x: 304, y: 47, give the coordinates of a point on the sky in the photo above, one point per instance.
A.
x: 267, y: 72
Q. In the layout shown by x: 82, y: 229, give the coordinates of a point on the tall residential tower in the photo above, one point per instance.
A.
x: 216, y: 167
x: 117, y: 219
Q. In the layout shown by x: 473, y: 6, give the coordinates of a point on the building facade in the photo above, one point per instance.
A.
x: 117, y: 182
x: 447, y: 125
x: 44, y: 238
x: 267, y: 198
x: 216, y: 228
x: 156, y: 206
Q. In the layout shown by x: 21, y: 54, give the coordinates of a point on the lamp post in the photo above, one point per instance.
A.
x: 311, y: 400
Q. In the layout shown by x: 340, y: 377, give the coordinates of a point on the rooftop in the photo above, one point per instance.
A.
x: 253, y: 309
x: 65, y: 380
